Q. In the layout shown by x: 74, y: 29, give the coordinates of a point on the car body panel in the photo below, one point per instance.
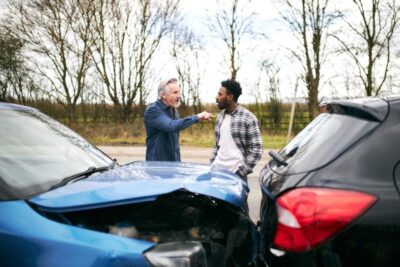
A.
x: 144, y: 181
x: 375, y: 107
x: 368, y: 164
x: 66, y: 203
x: 36, y: 237
x: 5, y: 105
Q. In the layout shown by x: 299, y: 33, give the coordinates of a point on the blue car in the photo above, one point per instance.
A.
x: 63, y: 202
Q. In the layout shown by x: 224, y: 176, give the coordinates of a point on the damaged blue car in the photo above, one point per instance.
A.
x: 63, y: 202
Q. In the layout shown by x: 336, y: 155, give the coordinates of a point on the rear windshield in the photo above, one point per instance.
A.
x: 323, y: 140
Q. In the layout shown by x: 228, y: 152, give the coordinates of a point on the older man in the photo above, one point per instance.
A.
x: 163, y: 124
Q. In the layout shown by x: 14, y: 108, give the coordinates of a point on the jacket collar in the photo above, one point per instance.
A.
x: 162, y: 104
x: 168, y: 109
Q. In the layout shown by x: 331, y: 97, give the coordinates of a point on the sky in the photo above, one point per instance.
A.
x: 266, y: 21
x: 2, y: 5
x: 268, y: 47
x: 197, y: 13
x: 277, y: 36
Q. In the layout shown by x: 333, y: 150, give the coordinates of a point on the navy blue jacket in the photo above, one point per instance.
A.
x: 162, y: 127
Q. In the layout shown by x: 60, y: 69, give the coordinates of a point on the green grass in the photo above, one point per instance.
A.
x: 207, y: 140
x: 104, y: 140
x: 200, y: 135
x: 274, y: 141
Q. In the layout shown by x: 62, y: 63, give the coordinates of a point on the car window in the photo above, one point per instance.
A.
x: 36, y: 152
x: 323, y: 140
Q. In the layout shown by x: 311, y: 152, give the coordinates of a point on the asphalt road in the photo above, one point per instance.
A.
x: 126, y: 154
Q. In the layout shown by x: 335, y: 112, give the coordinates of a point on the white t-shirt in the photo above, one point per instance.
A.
x: 228, y: 155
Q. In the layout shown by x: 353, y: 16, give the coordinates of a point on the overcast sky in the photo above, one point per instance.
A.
x: 277, y: 36
x: 266, y: 21
x: 197, y: 13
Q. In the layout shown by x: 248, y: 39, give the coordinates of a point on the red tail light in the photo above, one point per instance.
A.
x: 309, y: 216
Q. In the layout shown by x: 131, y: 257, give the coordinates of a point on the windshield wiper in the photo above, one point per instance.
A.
x: 83, y: 175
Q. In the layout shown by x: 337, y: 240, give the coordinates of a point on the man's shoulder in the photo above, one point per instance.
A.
x: 242, y: 111
x: 154, y: 105
x: 151, y: 110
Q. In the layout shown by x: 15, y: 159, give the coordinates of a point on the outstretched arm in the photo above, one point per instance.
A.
x: 154, y: 117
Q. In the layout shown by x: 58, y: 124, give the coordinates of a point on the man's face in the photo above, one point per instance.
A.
x: 173, y: 96
x: 224, y: 98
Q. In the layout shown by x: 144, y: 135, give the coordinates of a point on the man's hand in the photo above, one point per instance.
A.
x: 205, y: 116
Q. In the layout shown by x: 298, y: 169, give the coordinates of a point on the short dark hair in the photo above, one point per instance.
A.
x: 233, y: 87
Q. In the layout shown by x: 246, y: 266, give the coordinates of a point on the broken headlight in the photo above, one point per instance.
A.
x: 179, y: 254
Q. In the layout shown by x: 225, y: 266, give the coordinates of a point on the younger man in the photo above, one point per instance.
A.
x: 238, y: 143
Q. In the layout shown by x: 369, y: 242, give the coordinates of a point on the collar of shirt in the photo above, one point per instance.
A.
x: 233, y: 112
x: 162, y: 104
x: 167, y: 109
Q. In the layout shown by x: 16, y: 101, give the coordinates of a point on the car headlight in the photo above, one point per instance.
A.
x: 179, y: 254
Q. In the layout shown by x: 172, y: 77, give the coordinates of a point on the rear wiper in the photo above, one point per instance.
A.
x: 278, y: 158
x: 292, y: 152
x: 83, y: 175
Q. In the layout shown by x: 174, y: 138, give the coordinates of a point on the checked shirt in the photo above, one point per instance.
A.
x: 247, y: 136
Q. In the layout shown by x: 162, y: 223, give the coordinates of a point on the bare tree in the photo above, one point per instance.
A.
x: 57, y: 38
x: 129, y: 33
x: 11, y: 66
x: 185, y: 51
x: 15, y: 81
x: 309, y: 21
x: 370, y: 43
x: 270, y: 72
x: 232, y: 25
x: 113, y: 53
x: 267, y: 86
x: 155, y: 20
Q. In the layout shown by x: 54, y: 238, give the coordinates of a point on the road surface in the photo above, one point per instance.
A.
x: 126, y: 154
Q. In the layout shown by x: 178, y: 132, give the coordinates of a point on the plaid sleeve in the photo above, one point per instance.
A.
x: 254, y: 146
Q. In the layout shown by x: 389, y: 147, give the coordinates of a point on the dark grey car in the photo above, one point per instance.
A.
x: 331, y: 196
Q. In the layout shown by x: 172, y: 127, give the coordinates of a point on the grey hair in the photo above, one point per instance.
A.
x: 162, y: 88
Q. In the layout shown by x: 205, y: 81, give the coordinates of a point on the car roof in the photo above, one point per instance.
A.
x: 11, y: 106
x: 374, y: 108
x: 392, y: 97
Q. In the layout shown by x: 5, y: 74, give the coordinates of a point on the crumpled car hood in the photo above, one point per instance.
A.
x: 144, y: 181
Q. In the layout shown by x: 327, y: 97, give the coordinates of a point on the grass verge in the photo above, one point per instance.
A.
x: 130, y: 134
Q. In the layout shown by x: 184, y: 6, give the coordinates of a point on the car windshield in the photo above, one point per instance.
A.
x: 323, y: 140
x: 36, y: 152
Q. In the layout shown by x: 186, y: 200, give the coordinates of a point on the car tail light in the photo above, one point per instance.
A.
x: 309, y: 216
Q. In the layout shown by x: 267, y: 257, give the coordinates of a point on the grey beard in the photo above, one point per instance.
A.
x: 177, y: 105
